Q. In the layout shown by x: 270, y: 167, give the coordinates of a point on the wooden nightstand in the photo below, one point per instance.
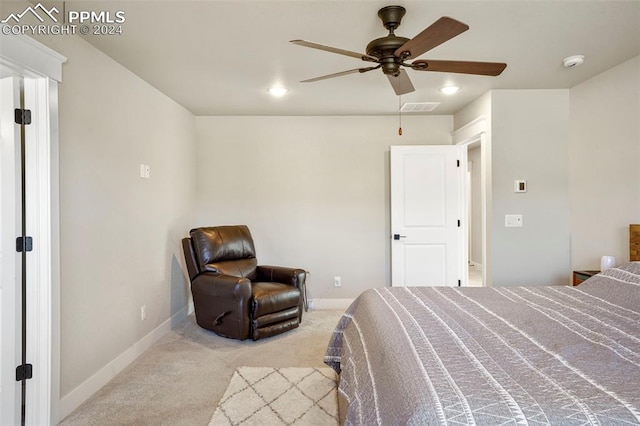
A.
x: 579, y: 276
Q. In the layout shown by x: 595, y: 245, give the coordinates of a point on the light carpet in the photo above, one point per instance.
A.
x: 279, y: 396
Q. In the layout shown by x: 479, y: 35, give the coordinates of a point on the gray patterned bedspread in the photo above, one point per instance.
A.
x: 488, y: 356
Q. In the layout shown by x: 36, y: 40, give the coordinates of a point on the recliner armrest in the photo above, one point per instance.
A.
x: 212, y: 284
x: 222, y: 304
x: 280, y: 274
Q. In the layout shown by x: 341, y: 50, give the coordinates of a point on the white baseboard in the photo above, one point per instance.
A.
x: 329, y: 303
x: 73, y: 399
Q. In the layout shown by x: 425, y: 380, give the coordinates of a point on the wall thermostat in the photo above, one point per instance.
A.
x: 520, y: 186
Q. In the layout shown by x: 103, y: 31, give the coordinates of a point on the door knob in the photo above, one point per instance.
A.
x: 398, y: 236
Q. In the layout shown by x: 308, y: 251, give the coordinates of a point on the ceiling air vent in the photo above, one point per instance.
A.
x: 419, y: 106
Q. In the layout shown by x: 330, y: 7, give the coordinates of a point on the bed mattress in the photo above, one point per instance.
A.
x: 519, y: 355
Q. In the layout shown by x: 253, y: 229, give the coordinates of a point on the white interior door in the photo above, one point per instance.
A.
x: 37, y: 69
x: 10, y: 334
x: 426, y: 211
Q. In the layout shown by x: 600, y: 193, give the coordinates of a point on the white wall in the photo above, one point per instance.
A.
x: 313, y: 190
x: 119, y: 233
x: 480, y: 107
x: 602, y: 158
x: 604, y: 164
x: 529, y: 141
x: 527, y: 136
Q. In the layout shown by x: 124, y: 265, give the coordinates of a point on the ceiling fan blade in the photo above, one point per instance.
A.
x: 437, y: 33
x: 461, y: 67
x: 339, y: 74
x: 401, y: 84
x: 313, y: 45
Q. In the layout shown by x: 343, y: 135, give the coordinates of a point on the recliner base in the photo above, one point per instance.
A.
x: 273, y: 329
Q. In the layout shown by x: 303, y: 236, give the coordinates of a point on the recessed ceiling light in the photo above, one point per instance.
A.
x: 278, y: 91
x: 449, y: 90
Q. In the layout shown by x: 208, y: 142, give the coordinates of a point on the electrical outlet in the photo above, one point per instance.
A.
x: 337, y: 281
x: 145, y: 171
x: 143, y: 312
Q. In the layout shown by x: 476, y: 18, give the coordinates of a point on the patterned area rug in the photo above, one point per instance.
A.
x: 279, y: 396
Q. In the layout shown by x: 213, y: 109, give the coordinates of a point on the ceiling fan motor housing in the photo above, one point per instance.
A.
x: 383, y: 48
x: 390, y: 66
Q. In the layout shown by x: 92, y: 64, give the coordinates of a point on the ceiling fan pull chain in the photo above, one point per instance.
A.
x: 399, y: 115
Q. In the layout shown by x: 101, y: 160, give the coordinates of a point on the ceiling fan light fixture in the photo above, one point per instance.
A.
x: 449, y: 90
x: 278, y: 91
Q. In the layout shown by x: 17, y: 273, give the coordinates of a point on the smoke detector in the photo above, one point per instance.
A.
x: 573, y: 61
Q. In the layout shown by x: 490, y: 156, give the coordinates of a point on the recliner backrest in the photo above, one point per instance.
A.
x: 190, y: 258
x: 227, y: 250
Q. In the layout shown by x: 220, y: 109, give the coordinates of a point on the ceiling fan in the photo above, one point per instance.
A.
x: 392, y: 52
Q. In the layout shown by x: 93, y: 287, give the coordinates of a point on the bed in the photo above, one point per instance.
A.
x: 511, y: 355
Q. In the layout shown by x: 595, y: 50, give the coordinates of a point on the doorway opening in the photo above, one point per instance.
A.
x: 473, y: 138
x: 474, y: 214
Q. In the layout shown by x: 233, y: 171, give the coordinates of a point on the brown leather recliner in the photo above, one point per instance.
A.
x: 234, y: 296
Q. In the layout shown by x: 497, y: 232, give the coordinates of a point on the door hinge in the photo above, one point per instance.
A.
x: 459, y: 283
x: 458, y: 223
x: 24, y: 372
x: 457, y: 163
x: 24, y: 244
x: 23, y: 116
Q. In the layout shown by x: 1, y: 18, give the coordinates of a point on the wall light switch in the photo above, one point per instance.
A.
x: 513, y: 220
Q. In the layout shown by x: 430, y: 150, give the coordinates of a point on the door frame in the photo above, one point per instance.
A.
x: 10, y: 227
x: 477, y: 131
x: 41, y: 70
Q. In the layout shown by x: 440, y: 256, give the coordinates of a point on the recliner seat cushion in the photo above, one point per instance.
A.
x: 271, y: 297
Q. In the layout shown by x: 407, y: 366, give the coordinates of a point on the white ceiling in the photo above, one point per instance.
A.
x: 219, y: 57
